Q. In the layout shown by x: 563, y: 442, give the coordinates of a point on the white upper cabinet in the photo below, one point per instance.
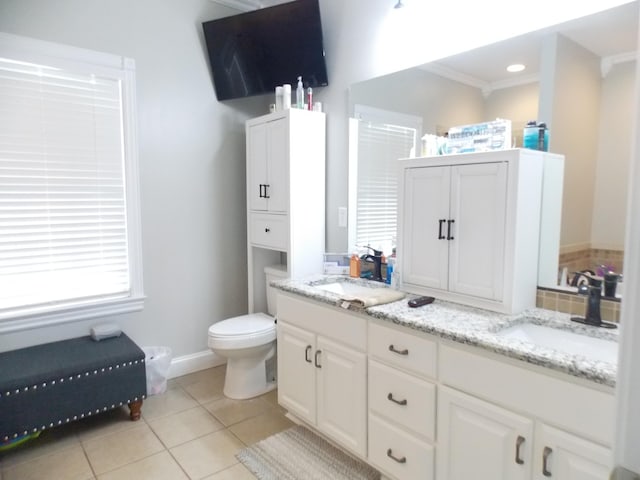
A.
x: 267, y: 161
x: 469, y: 227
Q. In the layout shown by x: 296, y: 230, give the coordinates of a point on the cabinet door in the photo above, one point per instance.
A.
x: 257, y: 166
x: 479, y: 440
x: 296, y: 371
x: 268, y: 155
x: 478, y: 207
x: 561, y: 455
x: 426, y: 212
x: 277, y: 166
x: 342, y: 401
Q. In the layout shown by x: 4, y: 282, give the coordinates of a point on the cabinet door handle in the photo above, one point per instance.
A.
x: 399, y: 402
x: 449, y: 223
x: 306, y: 354
x: 440, y: 223
x: 315, y: 359
x: 519, y: 442
x: 545, y: 461
x: 266, y: 191
x: 393, y: 457
x: 399, y: 352
x: 262, y: 190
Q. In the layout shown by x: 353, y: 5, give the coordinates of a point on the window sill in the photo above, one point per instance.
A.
x: 68, y: 314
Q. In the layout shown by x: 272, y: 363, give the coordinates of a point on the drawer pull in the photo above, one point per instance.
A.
x: 545, y: 461
x: 306, y: 354
x: 399, y: 402
x: 519, y: 442
x: 399, y: 352
x: 317, y: 364
x: 393, y: 457
x: 267, y: 230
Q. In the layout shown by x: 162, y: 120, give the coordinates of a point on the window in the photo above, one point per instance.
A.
x: 69, y: 212
x: 377, y: 140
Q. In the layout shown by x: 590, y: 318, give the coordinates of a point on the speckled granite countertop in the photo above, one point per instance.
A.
x: 472, y: 326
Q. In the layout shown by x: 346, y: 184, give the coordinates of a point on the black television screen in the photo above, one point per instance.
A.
x: 252, y: 53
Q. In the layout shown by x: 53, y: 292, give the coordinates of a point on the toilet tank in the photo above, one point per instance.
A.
x: 273, y: 272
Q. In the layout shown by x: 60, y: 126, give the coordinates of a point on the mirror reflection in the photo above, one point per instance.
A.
x: 579, y: 79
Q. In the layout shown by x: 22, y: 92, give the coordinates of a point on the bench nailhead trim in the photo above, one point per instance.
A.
x: 53, y: 382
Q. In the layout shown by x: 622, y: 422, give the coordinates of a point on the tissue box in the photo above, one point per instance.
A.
x: 336, y: 264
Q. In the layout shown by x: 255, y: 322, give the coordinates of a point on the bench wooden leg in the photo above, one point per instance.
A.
x: 135, y: 410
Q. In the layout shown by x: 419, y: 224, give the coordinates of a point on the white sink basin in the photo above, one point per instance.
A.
x: 346, y: 288
x: 564, y: 341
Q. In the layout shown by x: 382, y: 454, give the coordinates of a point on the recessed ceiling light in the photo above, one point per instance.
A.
x: 516, y: 67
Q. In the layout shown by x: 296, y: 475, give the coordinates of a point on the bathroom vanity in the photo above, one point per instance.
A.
x: 446, y: 391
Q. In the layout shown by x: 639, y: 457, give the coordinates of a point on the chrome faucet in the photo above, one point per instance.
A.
x: 376, y: 259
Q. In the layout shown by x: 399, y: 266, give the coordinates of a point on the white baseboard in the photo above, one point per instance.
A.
x: 194, y: 362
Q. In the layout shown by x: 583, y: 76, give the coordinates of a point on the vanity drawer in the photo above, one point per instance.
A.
x: 398, y: 453
x: 403, y: 349
x: 271, y: 231
x: 406, y: 400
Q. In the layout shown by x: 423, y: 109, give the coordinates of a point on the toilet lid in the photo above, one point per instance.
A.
x: 252, y: 324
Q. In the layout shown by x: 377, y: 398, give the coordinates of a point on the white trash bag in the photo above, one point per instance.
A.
x: 158, y: 360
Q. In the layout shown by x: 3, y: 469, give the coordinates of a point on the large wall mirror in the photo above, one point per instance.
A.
x: 579, y: 79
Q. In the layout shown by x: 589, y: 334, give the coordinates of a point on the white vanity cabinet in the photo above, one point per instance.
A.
x: 402, y: 402
x: 322, y: 369
x: 511, y: 423
x: 285, y: 196
x: 469, y: 226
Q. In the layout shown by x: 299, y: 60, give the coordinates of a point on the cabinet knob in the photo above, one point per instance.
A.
x: 267, y: 230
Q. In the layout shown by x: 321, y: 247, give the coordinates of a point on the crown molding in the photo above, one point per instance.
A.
x: 243, y: 5
x: 607, y: 63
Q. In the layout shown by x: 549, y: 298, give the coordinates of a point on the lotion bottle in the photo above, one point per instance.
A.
x: 300, y: 94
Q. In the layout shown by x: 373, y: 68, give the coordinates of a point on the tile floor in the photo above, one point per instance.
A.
x: 190, y: 432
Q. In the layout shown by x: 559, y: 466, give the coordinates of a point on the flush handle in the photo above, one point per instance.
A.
x: 545, y: 461
x: 317, y: 355
x: 519, y: 442
x: 306, y: 354
x: 399, y: 352
x: 399, y: 402
x: 393, y: 457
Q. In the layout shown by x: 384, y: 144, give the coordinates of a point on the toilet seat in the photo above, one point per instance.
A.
x: 242, y: 332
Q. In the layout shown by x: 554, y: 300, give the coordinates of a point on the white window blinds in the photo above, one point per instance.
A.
x: 64, y: 236
x: 380, y: 143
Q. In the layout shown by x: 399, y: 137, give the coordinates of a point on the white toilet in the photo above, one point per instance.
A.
x: 249, y: 344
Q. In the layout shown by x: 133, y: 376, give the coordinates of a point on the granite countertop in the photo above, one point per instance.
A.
x: 473, y: 326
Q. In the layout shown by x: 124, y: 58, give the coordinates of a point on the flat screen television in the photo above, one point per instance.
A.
x: 252, y: 53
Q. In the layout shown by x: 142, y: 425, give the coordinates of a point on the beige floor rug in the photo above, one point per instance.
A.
x: 299, y: 454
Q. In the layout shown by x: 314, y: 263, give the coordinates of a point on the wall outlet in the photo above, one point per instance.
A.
x: 342, y: 216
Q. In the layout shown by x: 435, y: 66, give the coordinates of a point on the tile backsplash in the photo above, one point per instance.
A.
x: 575, y: 304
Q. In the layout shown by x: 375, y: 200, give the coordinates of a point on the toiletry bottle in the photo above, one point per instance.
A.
x: 530, y: 135
x: 390, y: 262
x: 300, y: 94
x: 354, y: 266
x: 286, y: 96
x: 309, y: 99
x: 543, y: 137
x: 279, y: 95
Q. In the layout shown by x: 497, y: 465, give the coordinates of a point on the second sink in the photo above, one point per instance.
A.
x: 564, y: 341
